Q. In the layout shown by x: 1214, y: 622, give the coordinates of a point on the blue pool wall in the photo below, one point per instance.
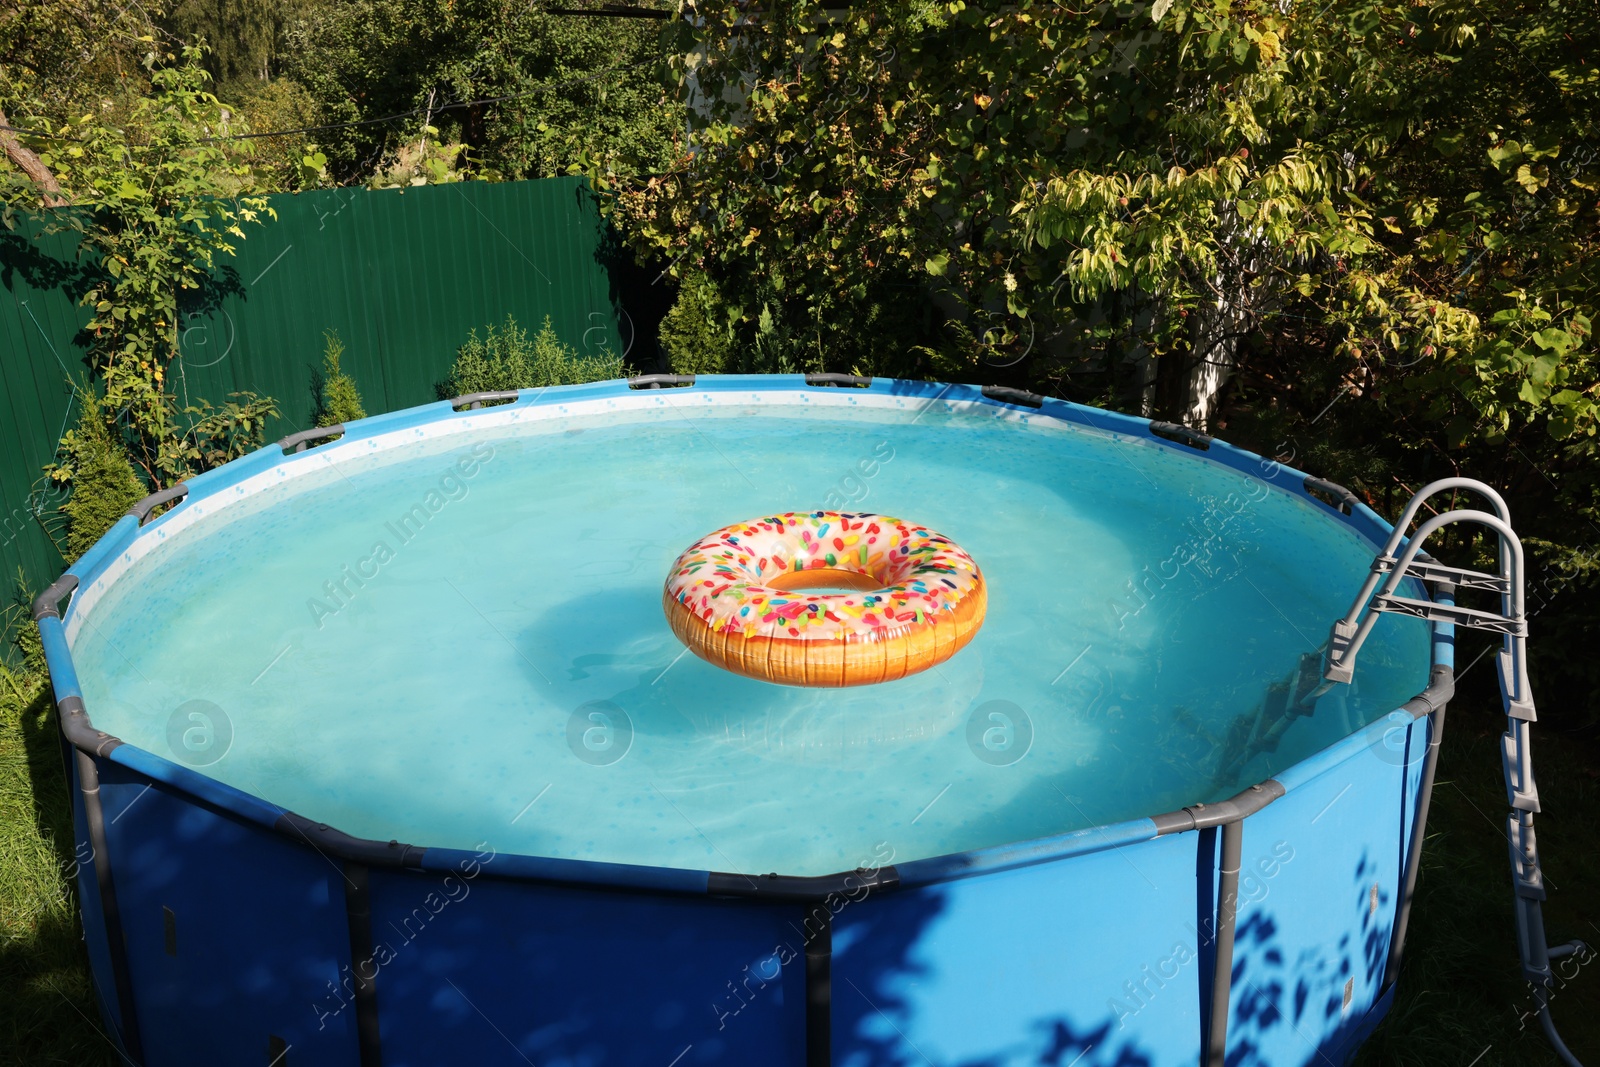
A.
x: 236, y: 926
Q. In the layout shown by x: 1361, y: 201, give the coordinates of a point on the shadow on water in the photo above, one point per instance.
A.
x: 631, y: 659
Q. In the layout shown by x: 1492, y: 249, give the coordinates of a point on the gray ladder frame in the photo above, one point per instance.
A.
x: 1379, y: 594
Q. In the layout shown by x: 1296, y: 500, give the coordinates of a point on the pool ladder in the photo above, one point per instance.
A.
x: 1381, y: 593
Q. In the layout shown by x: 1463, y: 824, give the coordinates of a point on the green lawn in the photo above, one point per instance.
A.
x: 1459, y: 997
x: 47, y: 1010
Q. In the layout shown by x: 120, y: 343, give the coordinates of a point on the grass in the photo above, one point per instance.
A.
x: 47, y: 1008
x: 1459, y: 998
x: 1460, y: 994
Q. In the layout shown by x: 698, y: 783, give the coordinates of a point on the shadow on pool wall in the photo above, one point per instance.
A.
x: 232, y: 931
x: 1104, y: 960
x: 1108, y: 960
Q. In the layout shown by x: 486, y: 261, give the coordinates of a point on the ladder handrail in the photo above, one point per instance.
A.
x: 1511, y: 569
x: 1385, y: 559
x: 1432, y: 489
x: 1377, y: 596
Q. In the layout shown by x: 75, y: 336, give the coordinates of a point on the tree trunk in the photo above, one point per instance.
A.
x: 27, y: 161
x: 1215, y: 332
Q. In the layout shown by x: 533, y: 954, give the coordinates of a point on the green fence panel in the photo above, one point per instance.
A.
x: 401, y: 275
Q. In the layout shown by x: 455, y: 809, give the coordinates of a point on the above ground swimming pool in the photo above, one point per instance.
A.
x: 399, y: 760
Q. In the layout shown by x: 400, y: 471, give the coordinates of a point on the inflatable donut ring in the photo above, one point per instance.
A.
x: 737, y: 598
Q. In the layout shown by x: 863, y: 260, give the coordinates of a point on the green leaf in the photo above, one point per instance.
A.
x: 938, y: 264
x: 1502, y: 154
x: 1553, y: 338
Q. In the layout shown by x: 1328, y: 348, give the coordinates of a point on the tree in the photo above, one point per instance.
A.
x: 153, y: 201
x: 338, y: 400
x: 1048, y: 178
x: 560, y: 88
x: 57, y: 58
x: 242, y: 37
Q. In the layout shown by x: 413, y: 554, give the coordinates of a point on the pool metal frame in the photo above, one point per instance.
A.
x: 85, y: 747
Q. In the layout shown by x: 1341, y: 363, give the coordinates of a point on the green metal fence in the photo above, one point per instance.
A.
x: 401, y: 275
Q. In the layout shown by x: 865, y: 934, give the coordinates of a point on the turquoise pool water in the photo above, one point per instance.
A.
x: 459, y: 640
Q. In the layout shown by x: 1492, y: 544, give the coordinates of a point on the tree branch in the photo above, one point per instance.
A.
x: 30, y: 164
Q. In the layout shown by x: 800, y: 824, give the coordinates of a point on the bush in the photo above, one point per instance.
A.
x: 27, y: 645
x: 288, y: 162
x: 104, y: 482
x: 693, y: 332
x: 338, y: 401
x: 505, y: 359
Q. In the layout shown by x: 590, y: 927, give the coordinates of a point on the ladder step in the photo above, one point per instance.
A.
x: 1338, y: 669
x: 1526, y: 874
x: 1519, y: 799
x: 1472, y: 618
x: 1435, y: 572
x: 1515, y: 709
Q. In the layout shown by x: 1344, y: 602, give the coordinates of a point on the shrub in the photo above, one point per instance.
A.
x: 693, y: 332
x: 506, y: 359
x: 95, y: 461
x: 338, y: 400
x: 104, y: 483
x: 287, y: 162
x: 218, y: 435
x: 27, y: 645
